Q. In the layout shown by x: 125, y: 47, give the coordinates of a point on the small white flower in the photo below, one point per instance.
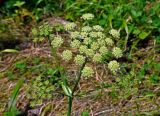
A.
x: 84, y: 34
x: 67, y: 55
x: 57, y: 41
x: 109, y: 41
x: 101, y: 42
x: 94, y: 46
x: 103, y: 50
x: 89, y: 52
x: 98, y: 28
x: 114, y: 33
x: 69, y: 26
x: 79, y: 59
x: 86, y: 29
x: 87, y: 40
x: 74, y: 34
x: 100, y: 35
x: 117, y: 52
x: 87, y: 16
x: 113, y: 66
x: 87, y: 72
x: 93, y: 34
x: 82, y: 49
x: 97, y: 57
x: 75, y: 43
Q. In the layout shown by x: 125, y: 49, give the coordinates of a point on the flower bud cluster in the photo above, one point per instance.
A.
x: 113, y: 66
x: 87, y: 16
x: 87, y: 72
x: 57, y: 42
x: 70, y: 26
x: 114, y: 33
x: 67, y: 55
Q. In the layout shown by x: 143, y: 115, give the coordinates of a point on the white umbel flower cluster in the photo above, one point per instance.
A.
x: 117, y: 52
x: 57, y: 41
x: 88, y: 16
x: 113, y: 66
x: 114, y: 33
x: 109, y: 41
x: 97, y: 58
x: 87, y: 72
x: 98, y: 28
x: 90, y: 43
x: 70, y: 26
x: 75, y: 43
x: 74, y: 34
x: 79, y: 59
x: 67, y: 55
x: 86, y: 29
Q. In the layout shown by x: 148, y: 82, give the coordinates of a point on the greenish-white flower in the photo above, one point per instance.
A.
x: 114, y: 33
x: 87, y: 40
x: 82, y: 49
x: 103, y: 50
x: 84, y: 34
x: 117, y: 52
x: 87, y: 72
x: 86, y: 29
x: 113, y: 66
x: 89, y: 52
x: 94, y: 46
x: 109, y: 41
x: 101, y: 42
x: 75, y: 34
x: 79, y: 59
x: 67, y: 55
x: 98, y: 28
x: 93, y: 34
x: 100, y: 35
x: 57, y: 41
x: 97, y: 57
x: 69, y: 26
x: 87, y: 16
x: 75, y: 43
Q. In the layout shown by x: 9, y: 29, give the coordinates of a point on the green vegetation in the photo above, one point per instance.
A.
x: 79, y: 57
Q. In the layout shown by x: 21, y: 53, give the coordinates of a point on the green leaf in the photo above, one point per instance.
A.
x: 12, y: 110
x: 85, y: 113
x: 66, y: 90
x: 10, y: 51
x: 143, y: 35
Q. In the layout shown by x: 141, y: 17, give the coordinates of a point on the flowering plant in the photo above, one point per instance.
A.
x: 91, y: 44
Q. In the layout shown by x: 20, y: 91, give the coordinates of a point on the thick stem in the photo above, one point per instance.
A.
x: 70, y: 98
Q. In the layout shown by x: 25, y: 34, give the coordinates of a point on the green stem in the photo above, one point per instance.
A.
x: 70, y: 98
